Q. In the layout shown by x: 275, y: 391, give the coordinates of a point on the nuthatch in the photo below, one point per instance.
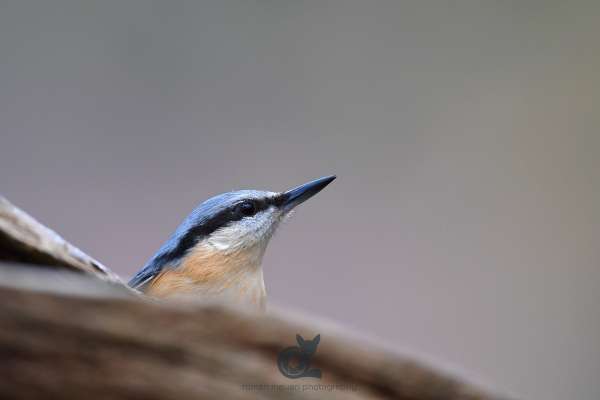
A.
x: 217, y: 250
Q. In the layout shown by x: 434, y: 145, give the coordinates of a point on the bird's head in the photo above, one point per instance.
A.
x: 234, y: 226
x: 246, y: 218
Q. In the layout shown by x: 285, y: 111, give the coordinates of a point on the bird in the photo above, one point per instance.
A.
x: 216, y: 253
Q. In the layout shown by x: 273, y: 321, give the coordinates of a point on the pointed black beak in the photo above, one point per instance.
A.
x: 300, y: 194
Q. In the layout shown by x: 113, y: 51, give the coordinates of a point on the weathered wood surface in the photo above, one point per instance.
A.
x: 23, y: 239
x: 68, y: 335
x: 109, y: 347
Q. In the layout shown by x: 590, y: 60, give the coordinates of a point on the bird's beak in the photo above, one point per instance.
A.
x: 300, y: 194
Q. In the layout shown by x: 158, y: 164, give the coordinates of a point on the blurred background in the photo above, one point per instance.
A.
x: 464, y: 223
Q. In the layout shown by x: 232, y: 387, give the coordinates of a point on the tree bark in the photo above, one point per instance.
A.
x: 23, y: 239
x: 74, y: 330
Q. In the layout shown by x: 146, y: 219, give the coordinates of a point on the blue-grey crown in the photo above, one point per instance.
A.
x: 214, y: 213
x: 217, y: 212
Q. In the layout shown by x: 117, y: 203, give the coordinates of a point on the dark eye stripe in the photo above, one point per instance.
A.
x: 248, y: 208
x: 219, y: 220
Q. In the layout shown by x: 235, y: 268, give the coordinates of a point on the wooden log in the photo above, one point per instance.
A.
x: 70, y: 328
x: 103, y: 345
x: 23, y: 239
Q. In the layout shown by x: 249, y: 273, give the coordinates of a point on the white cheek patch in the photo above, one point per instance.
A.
x: 247, y: 232
x: 220, y: 242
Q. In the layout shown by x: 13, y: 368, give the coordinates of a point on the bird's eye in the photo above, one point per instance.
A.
x: 247, y: 208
